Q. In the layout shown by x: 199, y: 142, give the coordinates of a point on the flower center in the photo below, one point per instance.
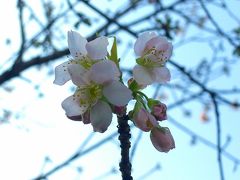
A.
x: 153, y: 58
x: 89, y: 94
x: 87, y: 62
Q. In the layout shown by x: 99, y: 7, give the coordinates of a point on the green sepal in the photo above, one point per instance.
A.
x: 130, y: 115
x: 134, y: 86
x: 138, y: 105
x: 140, y: 102
x: 152, y: 102
x: 140, y: 61
x: 114, y: 56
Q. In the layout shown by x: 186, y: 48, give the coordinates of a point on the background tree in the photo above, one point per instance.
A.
x: 202, y: 96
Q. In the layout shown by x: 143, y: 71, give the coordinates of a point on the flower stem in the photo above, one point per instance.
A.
x: 124, y: 137
x: 142, y: 94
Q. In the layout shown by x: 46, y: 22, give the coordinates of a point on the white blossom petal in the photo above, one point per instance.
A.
x: 101, y: 116
x: 115, y: 70
x: 78, y: 74
x: 168, y: 53
x: 103, y: 72
x: 97, y: 49
x: 157, y: 42
x: 140, y: 44
x: 161, y: 44
x: 76, y: 44
x: 143, y: 75
x: 162, y: 74
x: 72, y: 107
x: 117, y: 93
x: 61, y: 74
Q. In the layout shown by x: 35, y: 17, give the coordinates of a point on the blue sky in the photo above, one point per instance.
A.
x: 38, y: 127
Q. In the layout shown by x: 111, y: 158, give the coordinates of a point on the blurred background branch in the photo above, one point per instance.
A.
x: 204, y: 66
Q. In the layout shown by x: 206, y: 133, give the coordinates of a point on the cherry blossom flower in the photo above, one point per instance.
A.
x: 144, y: 120
x: 162, y: 139
x: 153, y: 52
x: 96, y: 86
x: 159, y: 111
x: 82, y: 52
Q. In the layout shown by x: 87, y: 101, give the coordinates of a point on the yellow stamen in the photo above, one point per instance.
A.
x: 88, y: 94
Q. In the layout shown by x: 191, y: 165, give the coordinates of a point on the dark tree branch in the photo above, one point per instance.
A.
x: 124, y: 138
x: 112, y: 20
x: 17, y: 68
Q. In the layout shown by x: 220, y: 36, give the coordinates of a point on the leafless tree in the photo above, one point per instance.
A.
x: 206, y: 38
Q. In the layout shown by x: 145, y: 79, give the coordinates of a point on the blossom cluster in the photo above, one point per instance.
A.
x: 153, y: 52
x: 100, y: 91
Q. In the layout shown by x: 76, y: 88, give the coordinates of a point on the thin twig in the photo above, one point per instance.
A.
x: 150, y: 171
x: 202, y: 139
x: 216, y: 25
x: 218, y: 125
x: 75, y: 156
x: 201, y: 85
x: 22, y: 32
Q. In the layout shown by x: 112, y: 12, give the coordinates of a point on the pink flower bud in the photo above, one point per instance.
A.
x: 162, y: 139
x: 144, y: 120
x: 159, y: 111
